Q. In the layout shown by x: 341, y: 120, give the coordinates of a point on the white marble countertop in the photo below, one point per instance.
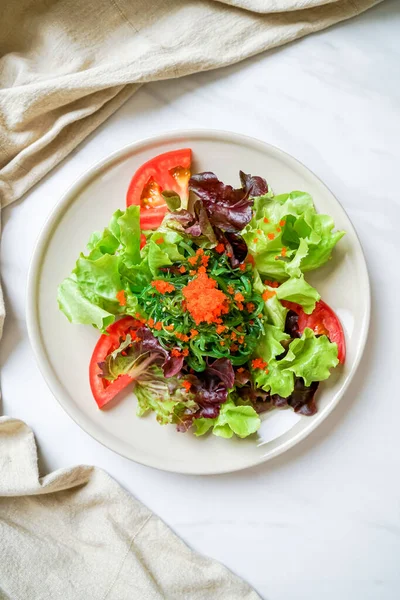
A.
x: 323, y: 520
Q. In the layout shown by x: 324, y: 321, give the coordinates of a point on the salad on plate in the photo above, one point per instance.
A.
x: 199, y: 291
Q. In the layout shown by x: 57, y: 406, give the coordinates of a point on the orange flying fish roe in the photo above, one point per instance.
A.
x: 242, y: 267
x: 282, y: 222
x: 233, y: 335
x: 222, y: 343
x: 176, y: 352
x: 169, y: 327
x: 162, y: 286
x: 185, y: 352
x: 201, y: 269
x: 230, y: 289
x: 187, y: 385
x: 158, y: 326
x: 265, y: 220
x: 234, y: 348
x: 283, y: 251
x: 250, y: 306
x: 278, y: 229
x: 192, y: 272
x: 204, y: 260
x: 192, y: 260
x: 240, y: 370
x: 260, y: 316
x: 267, y: 295
x: 193, y: 333
x: 160, y: 241
x: 273, y: 284
x: 271, y: 236
x: 182, y: 336
x: 229, y: 254
x: 255, y: 240
x: 220, y: 248
x: 258, y: 363
x: 150, y: 322
x: 241, y: 339
x: 220, y: 328
x: 199, y: 251
x: 239, y: 298
x: 121, y: 297
x: 182, y: 269
x: 204, y: 301
x: 259, y: 231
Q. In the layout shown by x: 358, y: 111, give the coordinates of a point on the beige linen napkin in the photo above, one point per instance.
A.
x: 66, y: 66
x: 77, y: 535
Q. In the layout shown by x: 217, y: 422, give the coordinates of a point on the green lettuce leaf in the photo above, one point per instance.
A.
x: 232, y: 419
x: 289, y: 221
x: 296, y: 289
x: 309, y: 357
x: 113, y: 264
x: 129, y: 227
x: 163, y: 250
x: 79, y: 309
x: 100, y: 277
x: 101, y: 243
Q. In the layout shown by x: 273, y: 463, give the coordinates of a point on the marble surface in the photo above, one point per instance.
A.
x: 323, y: 520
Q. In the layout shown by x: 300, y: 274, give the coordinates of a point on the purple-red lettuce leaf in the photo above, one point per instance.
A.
x: 235, y: 246
x: 135, y: 356
x: 211, y: 386
x: 193, y: 222
x: 228, y: 208
x: 302, y: 399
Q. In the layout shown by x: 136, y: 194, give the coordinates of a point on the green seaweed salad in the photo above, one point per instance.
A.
x: 208, y: 317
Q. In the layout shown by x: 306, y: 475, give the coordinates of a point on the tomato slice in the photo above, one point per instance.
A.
x: 168, y: 171
x: 103, y: 391
x: 323, y: 320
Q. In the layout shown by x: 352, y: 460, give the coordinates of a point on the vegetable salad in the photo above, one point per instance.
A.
x: 199, y: 292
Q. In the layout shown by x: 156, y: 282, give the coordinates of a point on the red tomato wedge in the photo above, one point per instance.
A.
x: 103, y: 391
x: 323, y: 321
x: 168, y: 171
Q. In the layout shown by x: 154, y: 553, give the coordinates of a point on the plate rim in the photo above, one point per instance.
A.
x: 32, y: 317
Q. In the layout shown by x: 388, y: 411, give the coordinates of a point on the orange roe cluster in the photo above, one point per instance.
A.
x: 204, y: 301
x: 267, y: 295
x: 258, y: 363
x: 162, y: 286
x: 239, y: 299
x: 199, y: 260
x: 121, y: 297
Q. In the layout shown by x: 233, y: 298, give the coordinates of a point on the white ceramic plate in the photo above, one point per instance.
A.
x: 63, y: 350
